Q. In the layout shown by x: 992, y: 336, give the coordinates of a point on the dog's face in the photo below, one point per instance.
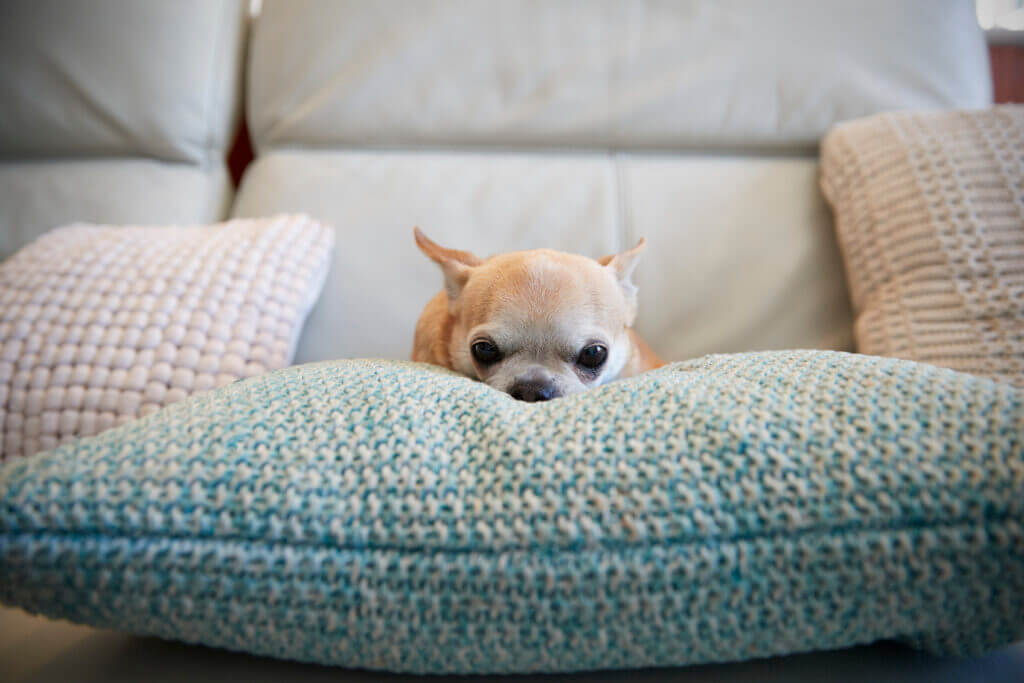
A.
x: 538, y: 324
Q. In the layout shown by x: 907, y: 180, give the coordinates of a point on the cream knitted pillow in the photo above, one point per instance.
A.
x: 930, y: 213
x: 100, y: 325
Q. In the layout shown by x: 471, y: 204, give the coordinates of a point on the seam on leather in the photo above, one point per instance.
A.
x: 539, y: 148
x: 209, y: 145
x: 623, y: 219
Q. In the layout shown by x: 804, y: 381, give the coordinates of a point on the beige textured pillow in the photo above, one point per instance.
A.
x: 100, y: 325
x: 930, y: 213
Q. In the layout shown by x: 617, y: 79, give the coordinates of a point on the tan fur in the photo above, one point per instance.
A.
x: 643, y: 357
x: 540, y: 302
x: 433, y: 332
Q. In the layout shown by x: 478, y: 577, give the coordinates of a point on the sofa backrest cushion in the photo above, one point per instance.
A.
x: 120, y: 78
x: 659, y: 74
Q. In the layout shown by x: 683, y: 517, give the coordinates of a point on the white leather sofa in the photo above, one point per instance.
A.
x: 493, y: 125
x: 583, y: 125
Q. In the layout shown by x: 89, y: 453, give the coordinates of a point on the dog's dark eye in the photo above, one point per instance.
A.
x: 485, y: 352
x: 593, y: 356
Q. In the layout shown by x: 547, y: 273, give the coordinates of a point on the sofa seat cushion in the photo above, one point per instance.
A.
x: 39, y: 196
x: 743, y: 253
x: 390, y: 515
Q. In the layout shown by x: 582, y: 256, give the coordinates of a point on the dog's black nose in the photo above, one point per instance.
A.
x: 534, y: 391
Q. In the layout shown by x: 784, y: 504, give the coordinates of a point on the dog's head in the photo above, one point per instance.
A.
x: 538, y: 324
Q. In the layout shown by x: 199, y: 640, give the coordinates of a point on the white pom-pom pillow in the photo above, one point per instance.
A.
x: 100, y: 325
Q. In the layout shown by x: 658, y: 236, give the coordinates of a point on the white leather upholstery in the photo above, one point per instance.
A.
x: 120, y: 78
x: 664, y: 74
x: 742, y: 255
x: 116, y: 111
x: 38, y: 196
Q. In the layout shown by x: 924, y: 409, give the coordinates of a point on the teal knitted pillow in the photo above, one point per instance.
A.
x: 396, y: 516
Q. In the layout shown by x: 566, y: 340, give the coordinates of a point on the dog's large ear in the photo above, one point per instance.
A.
x: 456, y: 265
x: 622, y: 266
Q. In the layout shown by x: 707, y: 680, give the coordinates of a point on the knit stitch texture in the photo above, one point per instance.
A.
x: 396, y: 516
x: 100, y: 325
x: 929, y: 211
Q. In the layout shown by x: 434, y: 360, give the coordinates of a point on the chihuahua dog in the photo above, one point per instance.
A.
x: 536, y: 324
